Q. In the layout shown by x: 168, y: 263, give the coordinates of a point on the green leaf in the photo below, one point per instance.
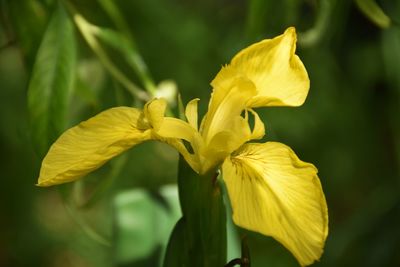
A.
x: 28, y: 19
x: 257, y: 12
x: 177, y: 254
x: 202, y: 228
x: 371, y: 9
x: 51, y: 81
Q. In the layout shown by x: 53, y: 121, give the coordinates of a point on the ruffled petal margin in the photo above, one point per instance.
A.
x: 276, y: 71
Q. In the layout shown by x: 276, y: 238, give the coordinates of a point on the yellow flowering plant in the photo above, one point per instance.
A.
x: 270, y: 189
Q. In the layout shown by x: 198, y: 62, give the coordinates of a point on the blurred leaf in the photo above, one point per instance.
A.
x: 144, y: 222
x: 89, y: 32
x: 125, y: 46
x: 256, y: 14
x: 391, y: 56
x: 171, y: 209
x: 371, y: 9
x: 177, y: 250
x: 28, y: 20
x: 135, y: 219
x: 51, y: 81
x: 113, y: 11
x: 317, y: 32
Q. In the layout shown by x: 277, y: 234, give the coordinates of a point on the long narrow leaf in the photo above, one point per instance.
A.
x: 374, y: 12
x: 51, y: 81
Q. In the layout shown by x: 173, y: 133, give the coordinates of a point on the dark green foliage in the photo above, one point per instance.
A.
x: 199, y: 237
x: 51, y: 81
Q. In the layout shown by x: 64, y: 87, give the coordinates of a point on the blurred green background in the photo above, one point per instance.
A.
x: 349, y: 126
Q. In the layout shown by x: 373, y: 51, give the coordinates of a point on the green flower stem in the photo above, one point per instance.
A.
x: 234, y: 262
x: 89, y: 32
x: 244, y: 261
x: 315, y: 34
x: 256, y: 13
x: 134, y: 59
x: 374, y: 12
x: 199, y: 237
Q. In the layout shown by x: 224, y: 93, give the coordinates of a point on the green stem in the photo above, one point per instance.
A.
x: 244, y: 261
x: 374, y: 12
x: 256, y: 14
x: 199, y: 238
x: 134, y: 59
x: 89, y: 32
x: 315, y: 34
x: 234, y: 262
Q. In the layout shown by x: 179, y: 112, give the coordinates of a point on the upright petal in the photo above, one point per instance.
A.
x: 278, y: 74
x: 224, y: 128
x: 154, y: 111
x: 274, y: 193
x: 259, y: 128
x: 227, y: 103
x: 191, y: 113
x: 90, y: 144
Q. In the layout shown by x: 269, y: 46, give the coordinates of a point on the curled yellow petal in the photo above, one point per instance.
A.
x: 226, y: 105
x: 278, y: 74
x: 191, y: 113
x: 154, y: 112
x: 258, y: 131
x: 274, y: 193
x: 176, y: 128
x: 90, y: 144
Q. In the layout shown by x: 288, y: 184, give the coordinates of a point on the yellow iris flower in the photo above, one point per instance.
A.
x: 271, y: 190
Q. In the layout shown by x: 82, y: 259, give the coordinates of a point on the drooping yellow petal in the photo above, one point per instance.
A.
x: 90, y: 144
x: 274, y: 193
x: 172, y: 131
x: 259, y: 128
x: 191, y: 159
x: 278, y: 74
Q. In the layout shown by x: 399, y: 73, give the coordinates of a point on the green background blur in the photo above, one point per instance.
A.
x: 349, y: 127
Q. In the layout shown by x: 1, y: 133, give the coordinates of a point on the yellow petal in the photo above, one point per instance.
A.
x: 278, y: 74
x: 226, y: 105
x: 191, y: 113
x: 228, y: 141
x: 90, y: 144
x: 172, y: 131
x: 154, y: 112
x: 176, y: 128
x: 191, y: 159
x: 274, y: 193
x: 259, y: 128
